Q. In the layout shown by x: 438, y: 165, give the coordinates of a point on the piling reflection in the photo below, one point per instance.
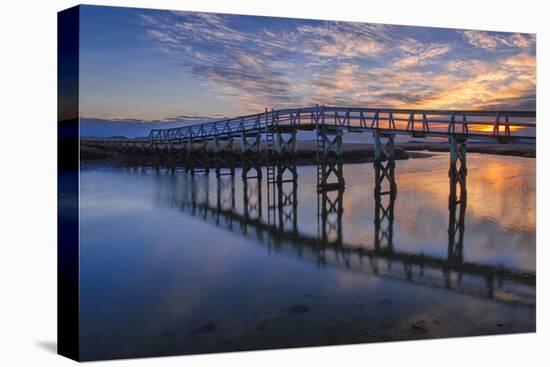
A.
x: 383, y: 221
x: 330, y: 187
x: 283, y: 198
x: 252, y: 194
x: 330, y: 209
x: 279, y: 228
x: 457, y: 213
x: 385, y: 191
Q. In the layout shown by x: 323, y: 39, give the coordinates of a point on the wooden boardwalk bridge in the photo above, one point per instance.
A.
x: 270, y: 136
x: 500, y: 125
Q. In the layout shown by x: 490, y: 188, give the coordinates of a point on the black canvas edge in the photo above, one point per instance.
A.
x: 68, y: 285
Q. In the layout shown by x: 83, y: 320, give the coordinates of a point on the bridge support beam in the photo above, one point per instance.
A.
x: 197, y: 157
x: 457, y: 198
x: 224, y: 158
x: 158, y: 156
x: 282, y: 176
x: 180, y: 154
x: 330, y: 153
x: 384, y: 163
x: 285, y: 143
x: 458, y: 169
x: 171, y: 155
x: 155, y: 156
x: 251, y: 153
x: 330, y: 184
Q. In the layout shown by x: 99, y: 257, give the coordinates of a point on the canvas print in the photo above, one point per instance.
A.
x: 232, y: 182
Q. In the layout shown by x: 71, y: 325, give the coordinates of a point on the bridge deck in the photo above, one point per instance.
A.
x: 499, y: 126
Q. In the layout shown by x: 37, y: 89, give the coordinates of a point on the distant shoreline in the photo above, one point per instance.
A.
x: 353, y: 152
x: 306, y: 155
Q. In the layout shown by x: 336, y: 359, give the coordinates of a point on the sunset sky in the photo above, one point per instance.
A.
x: 154, y: 65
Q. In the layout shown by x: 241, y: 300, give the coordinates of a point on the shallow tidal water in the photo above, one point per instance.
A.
x: 175, y: 264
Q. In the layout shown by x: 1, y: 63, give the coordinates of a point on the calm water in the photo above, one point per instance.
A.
x: 174, y: 264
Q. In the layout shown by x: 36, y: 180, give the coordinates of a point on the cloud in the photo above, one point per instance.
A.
x: 493, y: 40
x: 421, y: 55
x: 289, y: 63
x: 250, y: 68
x: 336, y: 39
x: 506, y: 83
x: 463, y: 84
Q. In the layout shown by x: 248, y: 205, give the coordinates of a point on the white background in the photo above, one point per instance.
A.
x: 28, y: 183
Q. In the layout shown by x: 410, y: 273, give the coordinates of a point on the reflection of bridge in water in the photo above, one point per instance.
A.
x: 276, y: 226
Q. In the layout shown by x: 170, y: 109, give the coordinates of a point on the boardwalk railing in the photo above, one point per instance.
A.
x: 488, y: 125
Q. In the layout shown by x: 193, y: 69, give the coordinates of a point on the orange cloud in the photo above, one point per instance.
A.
x: 509, y: 79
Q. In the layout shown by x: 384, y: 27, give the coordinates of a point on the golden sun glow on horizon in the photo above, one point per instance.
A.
x: 490, y: 128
